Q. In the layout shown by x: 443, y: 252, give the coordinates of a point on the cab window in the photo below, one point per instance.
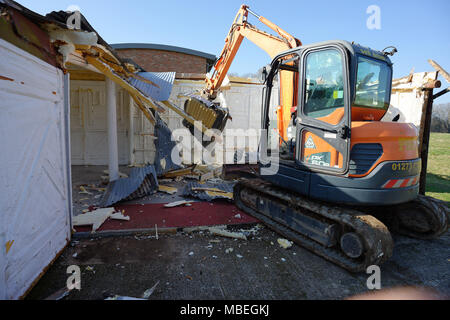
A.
x: 324, y: 94
x: 372, y: 83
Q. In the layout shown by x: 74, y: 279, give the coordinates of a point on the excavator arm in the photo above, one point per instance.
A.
x: 204, y: 110
x: 239, y: 30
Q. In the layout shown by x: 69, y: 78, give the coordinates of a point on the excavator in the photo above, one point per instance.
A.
x: 344, y: 179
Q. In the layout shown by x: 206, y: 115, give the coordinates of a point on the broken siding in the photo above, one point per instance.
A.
x: 243, y: 100
x: 34, y: 182
x: 408, y: 98
x: 88, y: 120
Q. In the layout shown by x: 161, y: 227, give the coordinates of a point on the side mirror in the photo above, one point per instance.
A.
x: 264, y: 74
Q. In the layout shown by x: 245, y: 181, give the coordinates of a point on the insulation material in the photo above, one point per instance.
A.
x: 209, y: 191
x: 35, y: 208
x: 141, y: 182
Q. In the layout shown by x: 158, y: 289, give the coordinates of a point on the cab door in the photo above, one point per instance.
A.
x: 323, y: 121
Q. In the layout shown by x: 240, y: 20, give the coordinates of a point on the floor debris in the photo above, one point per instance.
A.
x: 58, y: 295
x: 84, y: 191
x: 121, y: 175
x: 97, y: 217
x: 167, y: 189
x: 228, y: 234
x: 229, y: 250
x: 178, y: 203
x: 140, y: 183
x: 89, y: 268
x: 209, y: 191
x: 179, y: 172
x: 123, y: 298
x: 285, y: 244
x: 150, y: 291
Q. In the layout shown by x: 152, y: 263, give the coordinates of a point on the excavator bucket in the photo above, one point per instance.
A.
x: 212, y: 115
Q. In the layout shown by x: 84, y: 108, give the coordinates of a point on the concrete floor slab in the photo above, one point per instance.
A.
x: 256, y: 269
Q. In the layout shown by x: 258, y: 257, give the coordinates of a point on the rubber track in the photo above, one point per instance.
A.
x: 402, y: 219
x: 375, y: 235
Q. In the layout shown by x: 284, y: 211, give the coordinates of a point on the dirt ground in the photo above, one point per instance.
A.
x: 196, y: 266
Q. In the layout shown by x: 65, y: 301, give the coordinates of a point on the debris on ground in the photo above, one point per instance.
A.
x: 285, y: 244
x: 197, y: 172
x: 84, y: 191
x: 97, y: 217
x: 123, y: 298
x: 89, y: 268
x: 167, y: 189
x: 179, y: 172
x: 239, y: 256
x: 178, y: 203
x: 121, y: 175
x: 120, y: 216
x: 58, y: 295
x: 140, y: 183
x: 229, y: 250
x: 209, y: 191
x: 150, y: 291
x: 228, y: 234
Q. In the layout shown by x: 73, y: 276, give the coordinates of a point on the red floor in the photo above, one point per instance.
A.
x: 199, y: 214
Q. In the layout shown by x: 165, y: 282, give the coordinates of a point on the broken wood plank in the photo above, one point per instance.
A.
x: 178, y: 173
x: 228, y: 234
x: 177, y: 204
x: 167, y: 189
x: 441, y: 70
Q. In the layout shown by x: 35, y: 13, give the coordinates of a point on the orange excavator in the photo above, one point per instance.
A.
x: 333, y: 177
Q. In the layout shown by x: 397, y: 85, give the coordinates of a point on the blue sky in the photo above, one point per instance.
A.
x: 419, y: 29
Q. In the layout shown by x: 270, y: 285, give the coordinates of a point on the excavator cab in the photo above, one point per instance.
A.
x: 340, y: 91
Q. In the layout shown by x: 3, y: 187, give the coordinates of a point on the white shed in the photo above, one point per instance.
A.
x: 35, y: 187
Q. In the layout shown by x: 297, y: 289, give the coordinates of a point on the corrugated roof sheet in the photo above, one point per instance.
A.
x: 163, y: 79
x: 141, y: 182
x: 164, y: 146
x: 156, y: 46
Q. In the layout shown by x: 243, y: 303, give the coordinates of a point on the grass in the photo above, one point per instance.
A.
x: 438, y: 171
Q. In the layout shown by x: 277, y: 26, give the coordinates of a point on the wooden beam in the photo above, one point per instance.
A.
x: 425, y: 141
x: 440, y: 93
x: 441, y: 70
x: 121, y: 82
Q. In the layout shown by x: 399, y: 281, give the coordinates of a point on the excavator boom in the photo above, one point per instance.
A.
x: 272, y: 45
x: 239, y: 30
